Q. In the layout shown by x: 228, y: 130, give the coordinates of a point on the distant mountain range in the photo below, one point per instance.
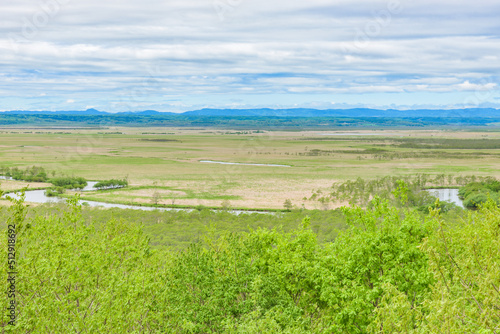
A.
x: 298, y: 112
x: 358, y: 112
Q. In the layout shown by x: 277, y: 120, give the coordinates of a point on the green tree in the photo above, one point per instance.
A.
x: 465, y: 262
x: 155, y: 198
x: 74, y: 277
x: 379, y: 254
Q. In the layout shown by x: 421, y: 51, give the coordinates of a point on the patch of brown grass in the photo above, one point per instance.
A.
x: 9, y: 185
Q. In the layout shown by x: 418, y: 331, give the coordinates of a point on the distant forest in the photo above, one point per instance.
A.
x: 247, y: 122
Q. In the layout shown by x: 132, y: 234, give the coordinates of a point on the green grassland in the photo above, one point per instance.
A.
x: 167, y: 160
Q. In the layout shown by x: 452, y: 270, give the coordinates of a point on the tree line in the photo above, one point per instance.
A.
x: 242, y: 122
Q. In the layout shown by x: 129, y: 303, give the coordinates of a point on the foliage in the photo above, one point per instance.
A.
x: 288, y: 205
x: 362, y: 191
x: 113, y: 183
x: 155, y: 199
x: 74, y: 277
x: 391, y: 271
x: 54, y: 191
x: 68, y: 182
x: 178, y: 229
x: 225, y: 205
x: 476, y: 193
x: 377, y: 257
x: 465, y: 262
x: 61, y: 184
x: 260, y: 275
x: 30, y: 174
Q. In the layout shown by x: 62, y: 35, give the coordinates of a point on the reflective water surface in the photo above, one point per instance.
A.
x: 450, y: 195
x: 38, y: 196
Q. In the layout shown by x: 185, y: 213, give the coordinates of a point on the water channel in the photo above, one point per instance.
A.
x: 38, y: 196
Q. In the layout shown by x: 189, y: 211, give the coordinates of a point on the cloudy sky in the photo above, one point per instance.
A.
x: 177, y: 55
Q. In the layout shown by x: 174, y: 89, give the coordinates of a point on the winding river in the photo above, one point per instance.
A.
x: 38, y: 196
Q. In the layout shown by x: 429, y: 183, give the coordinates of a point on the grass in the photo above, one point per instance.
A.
x: 169, y: 163
x: 146, y: 193
x: 178, y: 229
x: 13, y: 186
x: 171, y: 206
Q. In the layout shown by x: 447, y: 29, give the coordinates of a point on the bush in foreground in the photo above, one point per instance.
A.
x: 391, y: 272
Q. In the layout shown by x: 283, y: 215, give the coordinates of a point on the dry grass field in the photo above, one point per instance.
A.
x: 166, y: 163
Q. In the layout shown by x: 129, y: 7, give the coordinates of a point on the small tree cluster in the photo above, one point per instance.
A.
x: 113, y: 183
x: 30, y: 174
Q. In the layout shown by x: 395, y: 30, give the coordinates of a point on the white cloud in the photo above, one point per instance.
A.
x: 142, y: 52
x: 468, y: 86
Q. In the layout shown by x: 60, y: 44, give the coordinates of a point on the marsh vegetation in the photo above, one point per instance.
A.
x: 171, y: 159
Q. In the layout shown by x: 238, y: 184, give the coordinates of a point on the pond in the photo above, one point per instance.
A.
x: 448, y: 194
x: 241, y: 163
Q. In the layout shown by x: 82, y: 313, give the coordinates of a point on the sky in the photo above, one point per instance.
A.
x: 179, y: 55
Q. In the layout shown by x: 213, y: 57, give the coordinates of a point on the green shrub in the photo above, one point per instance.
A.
x: 74, y: 277
x: 391, y: 271
x: 54, y: 191
x: 476, y: 193
x: 69, y: 182
x: 113, y: 183
x: 30, y: 174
